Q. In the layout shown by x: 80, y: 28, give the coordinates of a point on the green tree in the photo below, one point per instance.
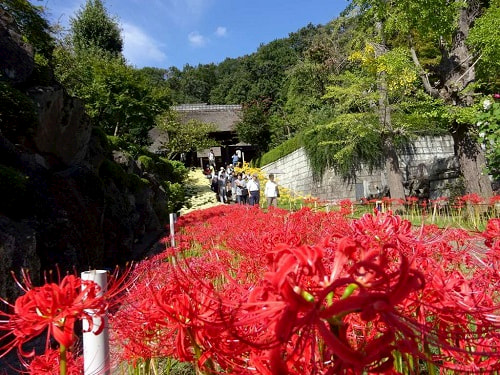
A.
x: 185, y: 137
x: 484, y: 38
x: 452, y: 78
x: 92, y: 27
x: 123, y: 100
x: 30, y: 20
x: 254, y: 127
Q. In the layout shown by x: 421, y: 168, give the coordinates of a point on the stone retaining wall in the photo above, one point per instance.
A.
x: 429, y: 168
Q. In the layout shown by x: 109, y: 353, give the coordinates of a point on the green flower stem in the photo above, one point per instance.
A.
x: 349, y: 290
x: 63, y: 364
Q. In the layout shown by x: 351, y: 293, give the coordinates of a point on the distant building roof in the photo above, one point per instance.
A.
x: 223, y: 116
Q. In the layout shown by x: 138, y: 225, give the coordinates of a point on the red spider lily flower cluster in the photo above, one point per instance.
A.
x: 494, y: 200
x: 54, y: 308
x: 346, y: 207
x: 471, y: 198
x: 48, y: 364
x: 314, y: 292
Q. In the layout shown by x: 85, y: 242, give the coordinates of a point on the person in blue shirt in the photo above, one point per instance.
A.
x: 235, y: 158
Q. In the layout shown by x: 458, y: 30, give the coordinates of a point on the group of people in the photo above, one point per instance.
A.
x: 240, y: 187
x: 235, y: 159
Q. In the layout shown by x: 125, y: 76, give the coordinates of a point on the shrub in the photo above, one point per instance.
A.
x: 175, y: 196
x: 136, y: 183
x: 117, y: 143
x: 282, y: 150
x: 147, y: 162
x: 113, y: 171
x: 99, y: 133
x: 179, y: 170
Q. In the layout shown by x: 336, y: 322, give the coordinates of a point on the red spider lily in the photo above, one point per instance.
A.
x: 307, y: 292
x: 471, y: 198
x: 314, y: 307
x: 494, y: 200
x: 492, y: 232
x: 439, y: 200
x: 346, y: 207
x: 55, y: 308
x: 412, y: 200
x: 48, y: 364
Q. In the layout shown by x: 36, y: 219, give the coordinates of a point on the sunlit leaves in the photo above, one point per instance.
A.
x: 346, y: 144
x: 395, y: 63
x: 484, y: 37
x: 94, y: 28
x: 489, y: 133
x: 30, y: 20
x: 352, y: 91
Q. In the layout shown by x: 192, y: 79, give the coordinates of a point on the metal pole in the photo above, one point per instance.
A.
x: 172, y: 229
x: 96, y: 347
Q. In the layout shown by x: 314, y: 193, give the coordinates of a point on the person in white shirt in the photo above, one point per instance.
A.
x: 211, y: 158
x: 271, y: 192
x: 253, y: 186
x: 241, y: 190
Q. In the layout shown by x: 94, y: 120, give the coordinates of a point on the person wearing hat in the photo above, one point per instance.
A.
x: 253, y: 186
x: 221, y: 170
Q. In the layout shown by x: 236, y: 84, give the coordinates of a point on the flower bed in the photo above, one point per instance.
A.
x: 314, y: 292
x: 252, y: 292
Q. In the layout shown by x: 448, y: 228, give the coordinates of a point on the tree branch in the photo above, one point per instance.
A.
x: 423, y: 75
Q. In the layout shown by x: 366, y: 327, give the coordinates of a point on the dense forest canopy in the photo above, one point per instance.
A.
x: 380, y: 74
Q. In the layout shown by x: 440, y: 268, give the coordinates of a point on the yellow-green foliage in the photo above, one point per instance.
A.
x: 14, y: 195
x: 175, y: 195
x: 117, y: 143
x: 147, y: 162
x: 282, y: 150
x: 179, y: 172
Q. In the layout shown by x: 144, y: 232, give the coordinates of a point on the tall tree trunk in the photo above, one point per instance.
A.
x: 472, y: 163
x: 457, y: 73
x: 394, y: 174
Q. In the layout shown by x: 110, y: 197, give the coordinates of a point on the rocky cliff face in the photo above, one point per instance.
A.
x: 58, y: 208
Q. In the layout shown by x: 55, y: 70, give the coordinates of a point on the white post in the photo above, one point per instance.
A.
x: 96, y: 347
x: 172, y: 229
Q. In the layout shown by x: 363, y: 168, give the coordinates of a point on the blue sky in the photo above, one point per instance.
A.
x: 164, y: 33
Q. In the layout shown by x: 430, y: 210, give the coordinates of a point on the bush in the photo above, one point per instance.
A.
x: 136, y: 183
x: 179, y: 170
x: 113, y: 171
x: 117, y: 143
x: 175, y: 196
x: 99, y: 133
x: 282, y: 150
x: 147, y: 163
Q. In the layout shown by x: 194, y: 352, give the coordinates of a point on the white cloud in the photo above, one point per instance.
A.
x: 139, y: 48
x: 185, y: 13
x: 196, y: 39
x: 221, y: 31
